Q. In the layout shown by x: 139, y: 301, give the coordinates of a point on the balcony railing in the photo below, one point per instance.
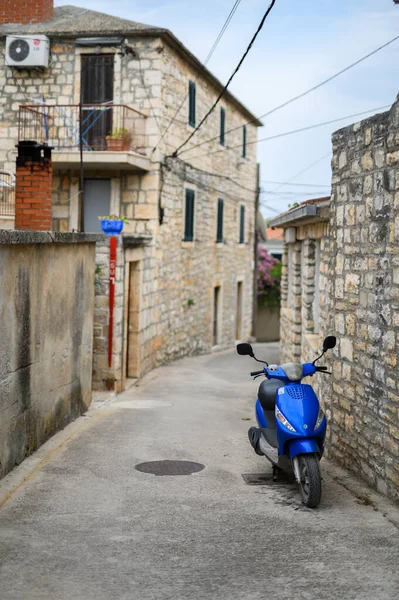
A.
x: 7, y: 194
x: 103, y: 126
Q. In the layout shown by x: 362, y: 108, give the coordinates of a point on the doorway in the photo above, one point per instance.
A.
x: 133, y: 363
x: 96, y: 203
x: 97, y: 85
x: 216, y: 315
x: 239, y: 310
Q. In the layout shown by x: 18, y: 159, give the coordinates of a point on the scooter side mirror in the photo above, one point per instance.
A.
x: 245, y: 349
x: 329, y: 343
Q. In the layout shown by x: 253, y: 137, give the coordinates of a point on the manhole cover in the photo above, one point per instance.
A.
x: 170, y: 467
x: 266, y: 479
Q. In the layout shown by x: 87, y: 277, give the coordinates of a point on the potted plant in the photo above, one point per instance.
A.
x: 120, y: 139
x: 112, y: 224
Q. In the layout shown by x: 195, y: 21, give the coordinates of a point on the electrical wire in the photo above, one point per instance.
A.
x: 270, y: 208
x: 210, y: 111
x: 211, y: 174
x: 289, y: 193
x: 222, y: 31
x: 317, y: 185
x: 288, y: 182
x: 302, y: 171
x: 302, y: 95
x: 211, y: 52
x: 293, y: 131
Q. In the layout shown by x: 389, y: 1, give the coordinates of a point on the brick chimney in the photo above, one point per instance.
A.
x: 33, y: 187
x: 23, y: 11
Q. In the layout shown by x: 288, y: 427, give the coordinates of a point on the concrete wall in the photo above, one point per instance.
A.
x: 359, y: 301
x: 46, y: 332
x: 267, y: 324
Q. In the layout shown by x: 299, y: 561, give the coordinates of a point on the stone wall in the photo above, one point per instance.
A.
x: 46, y: 337
x: 358, y: 284
x: 362, y: 302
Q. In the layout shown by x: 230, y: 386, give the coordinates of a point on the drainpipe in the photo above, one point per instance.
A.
x: 255, y: 281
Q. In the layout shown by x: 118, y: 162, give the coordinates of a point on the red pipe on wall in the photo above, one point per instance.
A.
x: 112, y: 274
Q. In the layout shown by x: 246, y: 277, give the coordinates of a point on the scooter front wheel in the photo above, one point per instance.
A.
x: 310, y: 483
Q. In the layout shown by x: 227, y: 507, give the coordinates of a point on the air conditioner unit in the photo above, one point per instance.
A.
x: 26, y: 51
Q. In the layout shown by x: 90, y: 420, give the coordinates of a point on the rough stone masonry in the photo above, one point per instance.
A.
x: 356, y: 290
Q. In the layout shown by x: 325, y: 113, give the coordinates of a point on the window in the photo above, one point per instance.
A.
x: 242, y: 224
x: 191, y: 103
x: 216, y: 320
x: 244, y: 141
x: 222, y: 125
x: 219, y: 229
x: 189, y: 216
x: 240, y: 286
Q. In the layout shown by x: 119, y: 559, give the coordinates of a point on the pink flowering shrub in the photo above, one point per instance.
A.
x: 269, y: 278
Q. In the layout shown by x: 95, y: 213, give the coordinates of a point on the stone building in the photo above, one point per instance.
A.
x: 184, y: 275
x: 341, y: 276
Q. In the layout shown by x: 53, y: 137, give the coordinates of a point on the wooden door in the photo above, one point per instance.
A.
x: 133, y: 322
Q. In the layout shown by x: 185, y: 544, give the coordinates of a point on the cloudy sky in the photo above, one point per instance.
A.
x: 302, y: 43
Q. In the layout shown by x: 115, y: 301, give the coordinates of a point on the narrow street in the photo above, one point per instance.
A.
x: 88, y: 526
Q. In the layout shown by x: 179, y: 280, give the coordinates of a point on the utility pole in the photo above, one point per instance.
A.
x: 255, y: 281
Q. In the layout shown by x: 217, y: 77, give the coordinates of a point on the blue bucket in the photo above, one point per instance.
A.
x: 111, y: 227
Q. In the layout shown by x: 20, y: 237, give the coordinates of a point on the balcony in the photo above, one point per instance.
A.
x: 111, y: 136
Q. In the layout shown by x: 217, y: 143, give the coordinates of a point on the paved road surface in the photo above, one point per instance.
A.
x: 88, y: 526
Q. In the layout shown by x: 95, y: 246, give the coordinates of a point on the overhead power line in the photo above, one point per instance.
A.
x: 264, y: 205
x: 210, y: 111
x: 316, y: 185
x: 210, y: 54
x: 222, y: 31
x: 302, y: 95
x: 289, y: 193
x: 285, y: 133
x: 304, y: 170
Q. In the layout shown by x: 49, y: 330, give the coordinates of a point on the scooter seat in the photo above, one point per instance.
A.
x: 267, y: 393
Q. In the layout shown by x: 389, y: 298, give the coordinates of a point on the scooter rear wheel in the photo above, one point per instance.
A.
x: 310, y: 484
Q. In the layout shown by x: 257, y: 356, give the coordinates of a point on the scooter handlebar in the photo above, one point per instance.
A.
x: 323, y: 370
x: 254, y: 373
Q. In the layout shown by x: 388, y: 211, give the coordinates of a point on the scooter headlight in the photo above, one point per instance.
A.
x: 319, y: 419
x: 283, y: 420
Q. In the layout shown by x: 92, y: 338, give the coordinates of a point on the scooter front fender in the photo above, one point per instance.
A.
x: 304, y: 446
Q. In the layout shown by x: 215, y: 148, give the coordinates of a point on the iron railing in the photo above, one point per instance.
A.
x: 104, y: 126
x: 7, y: 194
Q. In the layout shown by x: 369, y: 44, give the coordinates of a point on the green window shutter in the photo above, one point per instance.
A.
x: 191, y: 103
x: 244, y: 141
x: 242, y: 224
x: 189, y: 217
x: 219, y: 231
x: 222, y: 125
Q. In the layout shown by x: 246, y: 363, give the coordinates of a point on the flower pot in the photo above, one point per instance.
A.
x: 115, y: 144
x: 111, y: 226
x: 127, y: 145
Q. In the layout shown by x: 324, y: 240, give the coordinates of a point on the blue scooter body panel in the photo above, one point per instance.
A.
x: 300, y: 406
x: 260, y: 415
x: 302, y: 446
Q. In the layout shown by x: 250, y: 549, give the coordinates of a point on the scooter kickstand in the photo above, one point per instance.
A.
x: 275, y: 477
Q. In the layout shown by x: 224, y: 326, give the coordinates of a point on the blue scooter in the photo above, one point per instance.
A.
x: 292, y: 425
